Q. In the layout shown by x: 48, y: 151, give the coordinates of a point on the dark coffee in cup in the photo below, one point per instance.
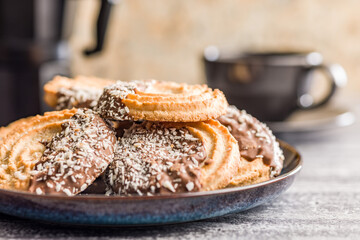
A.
x: 270, y: 86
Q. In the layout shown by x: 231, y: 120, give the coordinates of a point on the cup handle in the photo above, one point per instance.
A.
x: 336, y: 76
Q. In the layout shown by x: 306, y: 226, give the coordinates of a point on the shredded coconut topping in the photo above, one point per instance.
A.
x: 255, y: 138
x: 110, y: 104
x: 151, y: 158
x: 75, y: 156
x: 79, y: 97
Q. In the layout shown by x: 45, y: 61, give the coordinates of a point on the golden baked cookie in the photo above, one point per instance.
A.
x: 75, y: 157
x: 161, y: 101
x: 16, y: 124
x: 261, y: 156
x: 173, y: 157
x: 22, y: 145
x: 79, y: 92
x: 137, y: 100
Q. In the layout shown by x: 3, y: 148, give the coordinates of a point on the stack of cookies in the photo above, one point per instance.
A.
x: 135, y: 138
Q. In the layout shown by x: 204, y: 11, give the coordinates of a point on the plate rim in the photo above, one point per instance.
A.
x: 344, y: 119
x: 95, y: 197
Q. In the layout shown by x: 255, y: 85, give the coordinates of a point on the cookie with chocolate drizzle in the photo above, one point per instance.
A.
x: 159, y: 158
x: 259, y: 150
x: 75, y: 157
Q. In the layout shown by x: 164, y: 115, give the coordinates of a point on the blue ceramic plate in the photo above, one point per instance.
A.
x: 150, y: 210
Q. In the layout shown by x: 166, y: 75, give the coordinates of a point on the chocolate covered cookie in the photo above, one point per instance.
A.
x: 261, y: 155
x: 156, y: 158
x: 75, y: 157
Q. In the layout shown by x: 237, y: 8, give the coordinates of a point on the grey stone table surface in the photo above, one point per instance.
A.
x: 323, y: 202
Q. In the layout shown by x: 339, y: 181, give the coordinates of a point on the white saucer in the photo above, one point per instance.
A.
x: 320, y: 119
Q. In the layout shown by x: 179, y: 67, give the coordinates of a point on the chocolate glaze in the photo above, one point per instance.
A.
x: 121, y: 126
x: 97, y: 187
x: 255, y: 139
x: 152, y: 158
x: 110, y: 104
x: 75, y: 157
x: 77, y: 97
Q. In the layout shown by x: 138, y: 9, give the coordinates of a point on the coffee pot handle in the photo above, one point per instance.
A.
x: 101, y: 26
x: 336, y: 76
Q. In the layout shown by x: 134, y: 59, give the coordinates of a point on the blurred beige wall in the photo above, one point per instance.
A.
x: 164, y: 39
